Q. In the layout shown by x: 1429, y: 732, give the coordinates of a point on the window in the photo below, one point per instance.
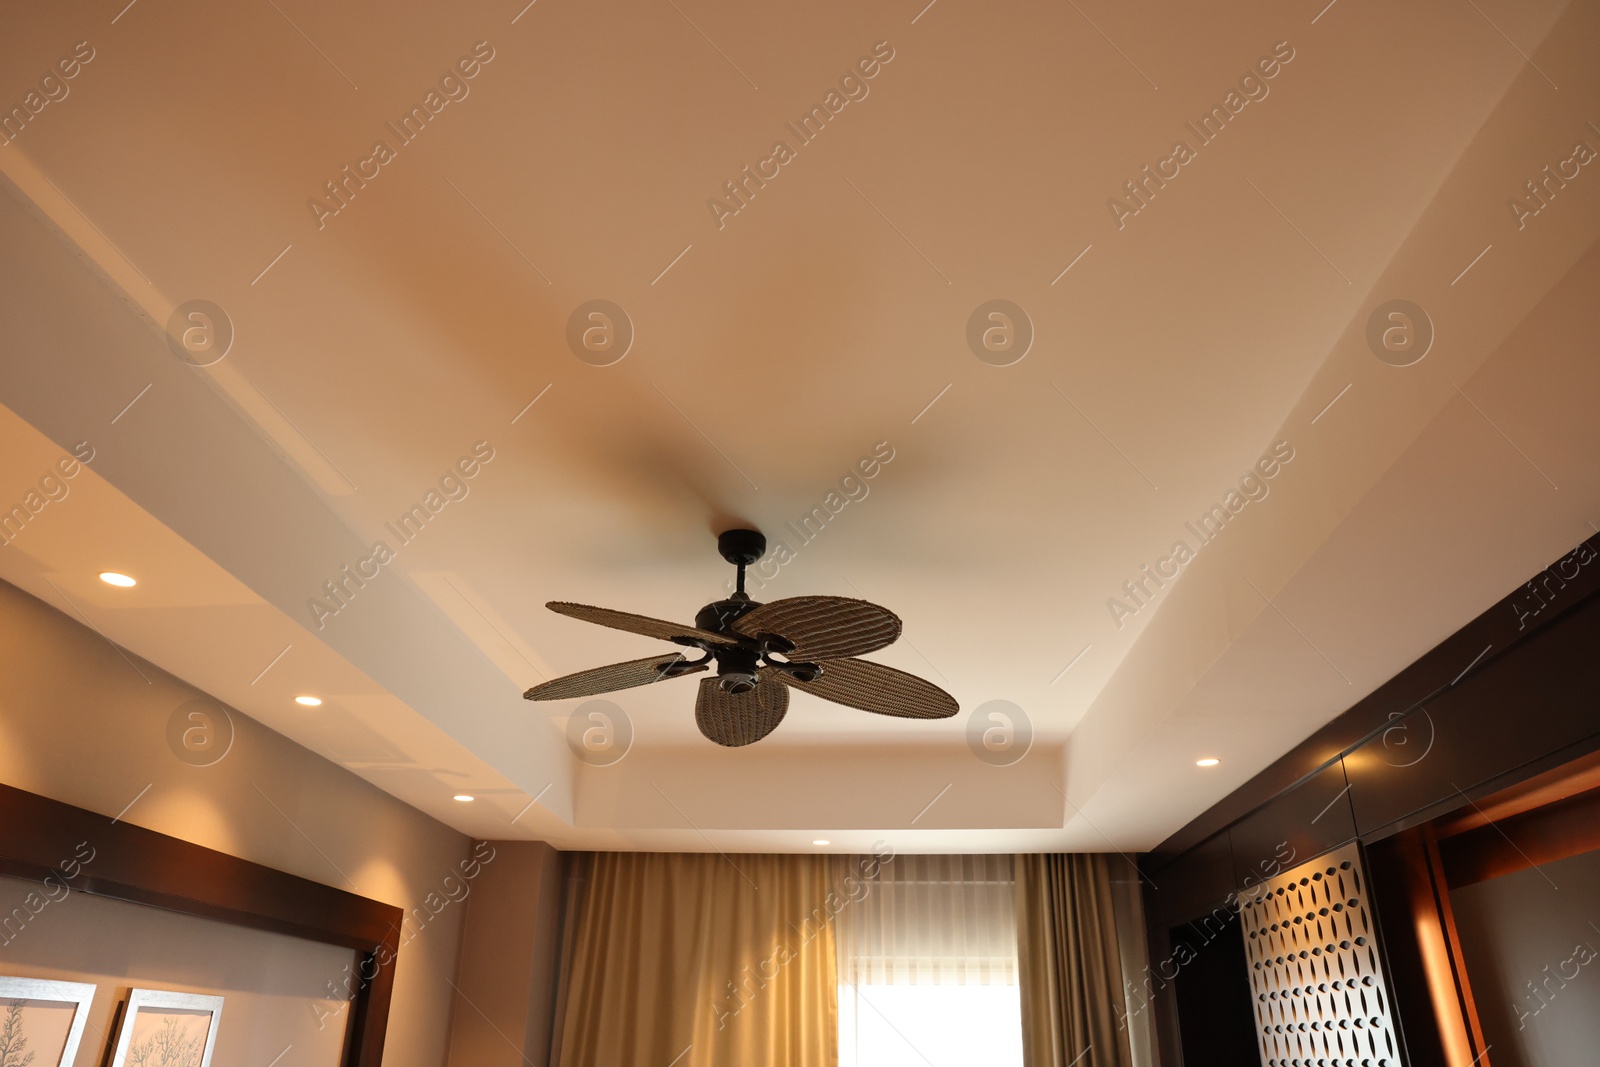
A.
x: 928, y: 965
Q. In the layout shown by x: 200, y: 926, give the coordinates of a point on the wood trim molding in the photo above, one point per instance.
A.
x: 1465, y: 1004
x: 1553, y: 832
x: 41, y: 837
x: 1567, y: 779
x: 1438, y: 1016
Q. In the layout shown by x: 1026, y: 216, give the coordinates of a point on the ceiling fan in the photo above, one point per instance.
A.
x: 807, y: 643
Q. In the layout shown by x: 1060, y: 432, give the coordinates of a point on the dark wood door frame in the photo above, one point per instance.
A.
x: 1417, y: 925
x: 43, y: 838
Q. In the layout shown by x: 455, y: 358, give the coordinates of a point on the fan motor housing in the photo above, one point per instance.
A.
x: 736, y: 669
x: 719, y: 615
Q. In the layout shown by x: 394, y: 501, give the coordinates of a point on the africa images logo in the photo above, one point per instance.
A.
x: 1141, y: 591
x: 53, y: 89
x: 453, y: 87
x: 852, y: 87
x: 453, y: 486
x: 1253, y: 87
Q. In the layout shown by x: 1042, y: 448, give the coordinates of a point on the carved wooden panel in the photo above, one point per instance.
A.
x: 1315, y: 980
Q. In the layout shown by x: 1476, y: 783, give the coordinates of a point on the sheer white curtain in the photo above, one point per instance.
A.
x: 927, y: 957
x: 932, y: 920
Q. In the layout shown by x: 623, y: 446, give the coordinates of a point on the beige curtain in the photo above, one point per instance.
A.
x: 700, y: 961
x: 1070, y: 967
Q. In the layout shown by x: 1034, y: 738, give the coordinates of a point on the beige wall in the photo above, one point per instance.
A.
x: 83, y: 723
x: 508, y: 959
x: 1532, y: 952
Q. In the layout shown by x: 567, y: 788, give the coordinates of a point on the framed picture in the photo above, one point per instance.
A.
x: 165, y: 1029
x: 41, y: 1022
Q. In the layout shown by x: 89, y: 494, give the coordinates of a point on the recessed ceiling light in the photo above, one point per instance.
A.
x: 465, y: 798
x: 120, y: 580
x: 1209, y: 761
x: 310, y: 702
x: 822, y: 841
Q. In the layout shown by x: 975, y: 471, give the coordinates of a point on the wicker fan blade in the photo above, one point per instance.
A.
x: 636, y: 624
x: 823, y: 627
x: 736, y: 719
x: 858, y: 683
x: 608, y: 679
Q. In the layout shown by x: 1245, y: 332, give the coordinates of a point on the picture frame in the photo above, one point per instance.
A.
x: 164, y: 1028
x: 40, y: 1017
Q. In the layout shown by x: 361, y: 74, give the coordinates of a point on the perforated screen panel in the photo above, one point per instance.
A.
x: 1316, y: 984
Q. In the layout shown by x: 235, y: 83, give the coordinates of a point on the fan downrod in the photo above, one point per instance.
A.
x: 741, y: 548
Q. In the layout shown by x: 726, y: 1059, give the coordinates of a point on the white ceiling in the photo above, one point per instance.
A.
x: 773, y: 353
